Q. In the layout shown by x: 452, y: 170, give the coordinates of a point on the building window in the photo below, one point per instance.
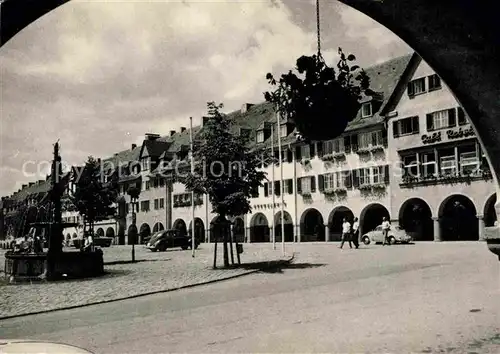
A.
x: 283, y: 131
x: 441, y: 119
x: 329, y: 181
x: 406, y: 126
x: 145, y: 205
x: 410, y: 165
x: 365, y: 140
x: 416, y: 87
x: 339, y: 180
x: 162, y: 182
x: 145, y: 163
x: 305, y: 151
x: 260, y: 136
x: 157, y: 204
x: 364, y: 176
x: 333, y: 146
x: 469, y: 159
x: 162, y: 203
x: 448, y: 162
x: 428, y: 163
x: 305, y: 183
x: 148, y: 185
x: 462, y: 120
x: 434, y: 82
x: 378, y: 174
x: 366, y: 110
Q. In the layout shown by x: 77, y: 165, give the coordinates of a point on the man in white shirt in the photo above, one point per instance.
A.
x: 355, y: 233
x: 346, y: 233
x: 386, y: 226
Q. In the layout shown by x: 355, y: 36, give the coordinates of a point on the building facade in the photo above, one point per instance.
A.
x: 410, y: 155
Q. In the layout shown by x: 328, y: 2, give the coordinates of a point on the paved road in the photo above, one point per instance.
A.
x: 398, y: 299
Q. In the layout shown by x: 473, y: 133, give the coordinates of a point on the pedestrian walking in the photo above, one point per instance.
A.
x: 355, y: 233
x: 346, y: 233
x: 386, y: 226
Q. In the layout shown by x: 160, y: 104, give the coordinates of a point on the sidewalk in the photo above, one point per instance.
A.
x: 154, y: 272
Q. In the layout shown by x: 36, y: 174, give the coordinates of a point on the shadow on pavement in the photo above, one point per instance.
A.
x: 278, y: 266
x: 137, y: 261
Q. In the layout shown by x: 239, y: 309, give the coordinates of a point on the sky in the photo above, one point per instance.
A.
x: 98, y: 75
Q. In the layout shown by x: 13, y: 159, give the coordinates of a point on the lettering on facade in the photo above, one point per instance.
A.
x: 430, y: 139
x: 454, y: 134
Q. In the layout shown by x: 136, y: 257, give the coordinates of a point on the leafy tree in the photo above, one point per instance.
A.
x: 134, y: 192
x: 226, y: 169
x: 92, y: 198
x: 322, y: 102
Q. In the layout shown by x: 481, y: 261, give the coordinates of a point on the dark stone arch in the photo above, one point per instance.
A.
x: 110, y: 232
x: 259, y: 228
x: 288, y: 226
x: 132, y: 234
x: 121, y: 234
x: 239, y: 229
x: 180, y: 225
x: 458, y: 219
x: 199, y: 229
x: 158, y: 227
x: 144, y: 232
x: 490, y: 215
x: 415, y: 217
x: 371, y: 217
x: 312, y: 226
x: 100, y: 232
x: 335, y: 220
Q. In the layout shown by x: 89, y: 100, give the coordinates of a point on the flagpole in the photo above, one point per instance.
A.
x: 191, y: 144
x: 281, y: 185
x: 273, y: 227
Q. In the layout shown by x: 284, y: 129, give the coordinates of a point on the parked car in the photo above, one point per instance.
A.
x: 395, y: 235
x: 164, y: 239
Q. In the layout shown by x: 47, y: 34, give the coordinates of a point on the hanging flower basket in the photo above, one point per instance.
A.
x: 321, y: 102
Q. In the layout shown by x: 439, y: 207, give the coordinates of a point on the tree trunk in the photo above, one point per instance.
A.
x: 226, y: 255
x: 215, y: 252
x: 231, y: 245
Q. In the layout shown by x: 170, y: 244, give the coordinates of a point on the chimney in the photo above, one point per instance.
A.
x: 40, y: 181
x: 151, y: 136
x: 183, y: 129
x: 172, y: 132
x: 245, y: 107
x: 134, y: 146
x: 31, y: 183
x: 24, y: 186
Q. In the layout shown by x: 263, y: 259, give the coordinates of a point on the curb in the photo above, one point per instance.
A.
x: 270, y: 265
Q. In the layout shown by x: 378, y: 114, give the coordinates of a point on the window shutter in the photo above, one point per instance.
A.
x: 299, y: 185
x: 415, y: 124
x: 276, y: 188
x: 461, y: 116
x: 321, y: 183
x: 354, y: 142
x: 266, y: 189
x: 386, y: 174
x: 312, y: 150
x: 430, y: 122
x: 298, y: 153
x: 289, y: 156
x: 355, y: 178
x: 384, y: 137
x: 347, y: 179
x: 410, y: 89
x: 320, y: 148
x: 313, y: 184
x: 395, y: 129
x: 452, y: 119
x: 347, y: 144
x: 290, y: 186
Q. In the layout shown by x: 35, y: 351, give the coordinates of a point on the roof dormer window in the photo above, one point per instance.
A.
x: 366, y: 110
x: 283, y: 131
x: 260, y: 136
x: 146, y: 164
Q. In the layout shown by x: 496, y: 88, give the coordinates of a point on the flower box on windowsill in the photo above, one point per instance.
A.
x: 379, y: 186
x: 327, y: 157
x: 339, y: 155
x: 365, y: 187
x: 445, y: 179
x: 305, y: 162
x: 378, y: 148
x: 329, y: 192
x: 306, y: 194
x: 363, y: 151
x: 340, y: 190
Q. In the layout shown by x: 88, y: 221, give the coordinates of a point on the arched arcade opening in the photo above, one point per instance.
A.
x: 100, y: 232
x: 199, y: 229
x: 158, y: 227
x: 259, y: 228
x: 288, y: 226
x: 336, y: 219
x: 239, y: 229
x: 180, y: 225
x: 132, y: 234
x: 110, y: 232
x: 312, y: 226
x: 458, y: 219
x: 415, y: 217
x: 371, y: 217
x: 144, y: 232
x: 490, y: 215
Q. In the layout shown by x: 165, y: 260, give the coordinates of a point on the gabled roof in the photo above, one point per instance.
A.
x: 154, y: 148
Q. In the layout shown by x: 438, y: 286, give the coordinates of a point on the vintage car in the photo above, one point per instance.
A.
x: 164, y: 239
x: 395, y: 235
